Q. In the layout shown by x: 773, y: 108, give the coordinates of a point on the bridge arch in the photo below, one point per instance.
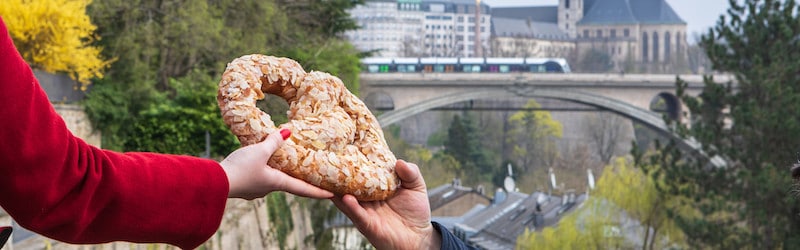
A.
x: 379, y: 100
x: 667, y: 103
x: 648, y: 118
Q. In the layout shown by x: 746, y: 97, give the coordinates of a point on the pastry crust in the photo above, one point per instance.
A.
x: 336, y: 143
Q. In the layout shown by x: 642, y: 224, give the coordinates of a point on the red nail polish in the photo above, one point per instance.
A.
x: 286, y: 133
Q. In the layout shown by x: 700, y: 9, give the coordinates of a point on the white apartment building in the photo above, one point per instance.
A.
x: 420, y: 28
x: 383, y: 30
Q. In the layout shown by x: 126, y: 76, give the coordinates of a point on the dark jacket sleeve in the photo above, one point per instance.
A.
x: 449, y: 241
x: 57, y: 185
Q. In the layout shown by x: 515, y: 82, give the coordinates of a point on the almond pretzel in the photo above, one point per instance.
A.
x: 336, y: 143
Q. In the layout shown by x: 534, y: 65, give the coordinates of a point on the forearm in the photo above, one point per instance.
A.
x: 132, y: 197
x: 55, y: 184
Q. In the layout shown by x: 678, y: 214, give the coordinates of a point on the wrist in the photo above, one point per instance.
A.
x: 230, y: 176
x: 431, y: 238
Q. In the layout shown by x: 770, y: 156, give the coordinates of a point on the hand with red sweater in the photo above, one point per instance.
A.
x: 401, y: 222
x: 250, y: 177
x: 57, y: 185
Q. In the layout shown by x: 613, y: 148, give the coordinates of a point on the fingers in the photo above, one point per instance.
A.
x: 409, y: 174
x: 299, y: 187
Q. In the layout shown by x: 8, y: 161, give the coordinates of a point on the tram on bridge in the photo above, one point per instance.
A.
x: 463, y: 65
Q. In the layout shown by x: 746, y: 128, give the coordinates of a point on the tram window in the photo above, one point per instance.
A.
x: 448, y: 68
x: 372, y: 68
x: 537, y: 68
x: 476, y: 68
x: 439, y: 68
x: 493, y: 68
x: 467, y: 68
x: 411, y: 68
x: 405, y: 68
x: 428, y: 68
x: 384, y: 68
x: 504, y: 69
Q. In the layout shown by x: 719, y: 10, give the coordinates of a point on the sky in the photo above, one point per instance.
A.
x: 698, y: 14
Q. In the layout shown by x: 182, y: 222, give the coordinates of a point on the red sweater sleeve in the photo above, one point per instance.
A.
x: 57, y: 185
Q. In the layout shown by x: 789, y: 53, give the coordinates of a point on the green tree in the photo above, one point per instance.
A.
x: 178, y: 125
x: 463, y: 143
x: 753, y: 124
x: 56, y: 36
x: 626, y: 186
x: 533, y: 137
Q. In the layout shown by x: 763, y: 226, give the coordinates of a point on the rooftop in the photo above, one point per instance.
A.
x: 499, y: 225
x: 547, y: 14
x: 507, y: 27
x: 629, y: 12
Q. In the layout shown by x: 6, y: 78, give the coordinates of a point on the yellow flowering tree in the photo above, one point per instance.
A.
x: 55, y: 36
x: 533, y: 135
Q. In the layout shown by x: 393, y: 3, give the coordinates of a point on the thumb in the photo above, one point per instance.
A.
x: 410, y: 176
x: 267, y: 147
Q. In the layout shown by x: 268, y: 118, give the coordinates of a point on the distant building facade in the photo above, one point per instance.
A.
x: 420, y: 28
x: 642, y: 35
x: 621, y: 35
x: 385, y: 28
x: 526, y: 38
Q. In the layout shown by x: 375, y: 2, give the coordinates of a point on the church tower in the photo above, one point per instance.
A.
x: 569, y: 13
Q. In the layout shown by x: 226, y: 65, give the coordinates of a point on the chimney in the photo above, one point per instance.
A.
x: 499, y: 196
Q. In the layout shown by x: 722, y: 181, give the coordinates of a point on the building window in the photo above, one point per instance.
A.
x: 585, y: 33
x: 567, y: 26
x: 667, y: 45
x: 626, y: 32
x: 645, y: 47
x: 566, y: 4
x: 599, y: 33
x: 567, y: 16
x: 613, y: 33
x: 655, y: 47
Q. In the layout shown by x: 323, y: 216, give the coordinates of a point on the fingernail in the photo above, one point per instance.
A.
x: 286, y: 133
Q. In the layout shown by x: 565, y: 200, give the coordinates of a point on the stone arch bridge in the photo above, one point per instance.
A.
x: 630, y: 95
